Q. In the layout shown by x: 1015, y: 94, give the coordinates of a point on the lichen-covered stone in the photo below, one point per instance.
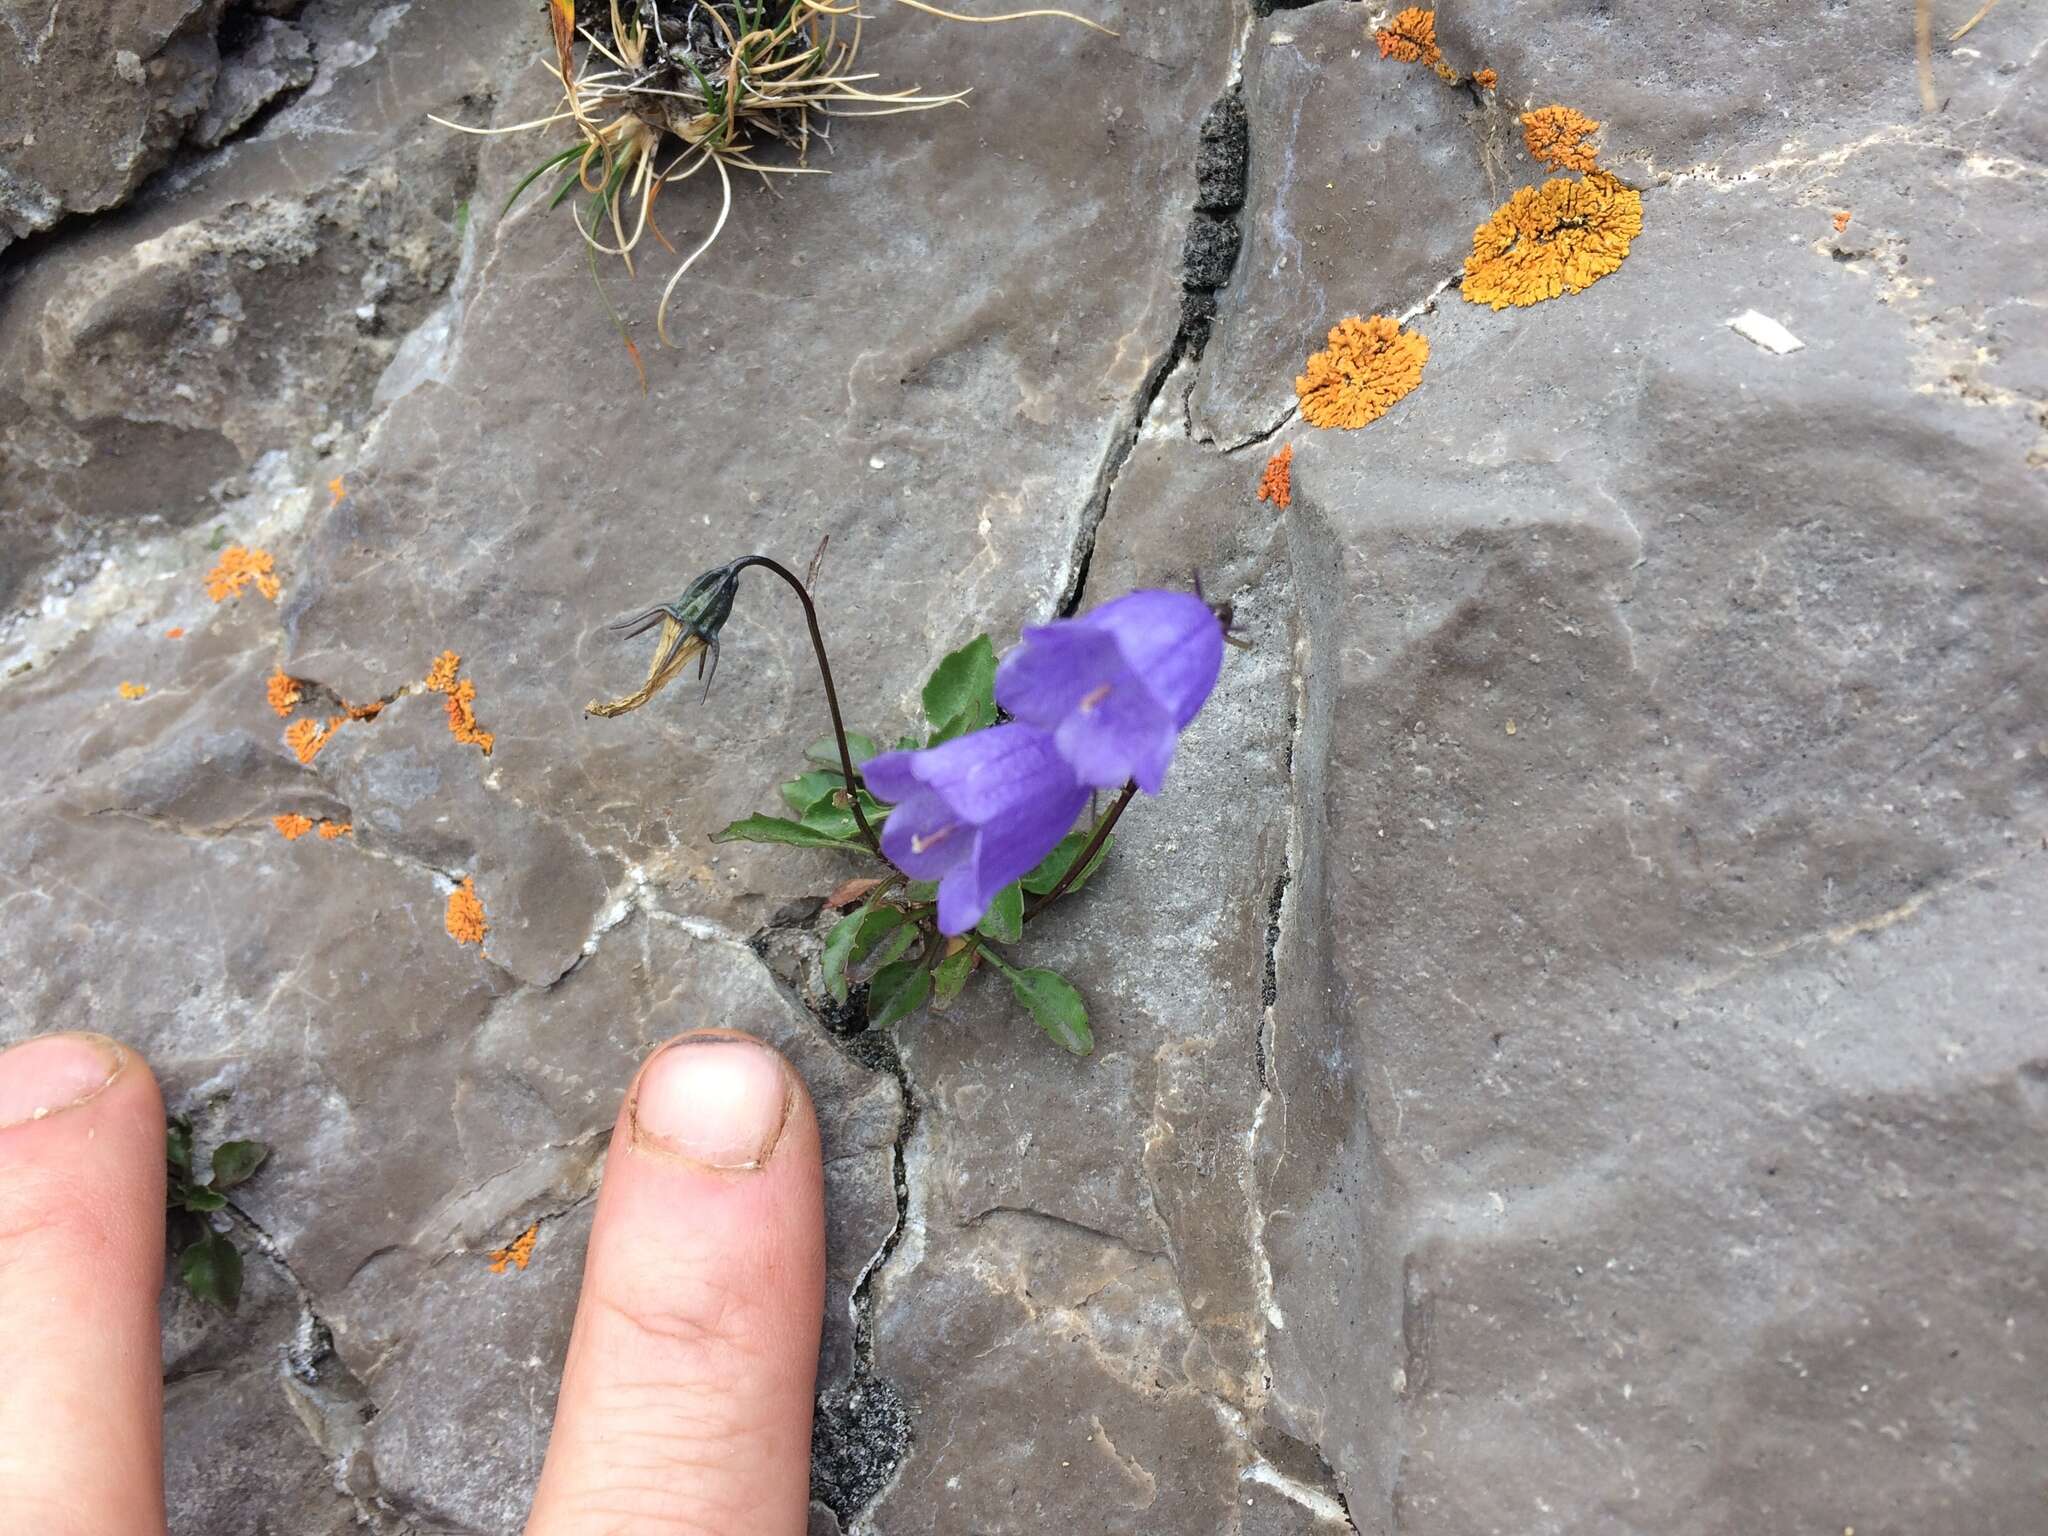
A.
x: 1567, y: 1036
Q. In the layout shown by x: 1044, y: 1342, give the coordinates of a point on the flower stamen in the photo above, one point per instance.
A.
x: 1092, y: 700
x: 920, y: 844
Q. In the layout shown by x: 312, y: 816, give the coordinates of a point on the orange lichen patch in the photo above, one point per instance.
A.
x: 336, y: 490
x: 366, y: 711
x: 462, y: 718
x: 284, y: 692
x: 516, y: 1254
x: 1841, y: 221
x: 1486, y: 79
x: 1368, y: 365
x: 307, y: 737
x: 441, y: 678
x: 1557, y: 238
x: 134, y: 690
x: 333, y: 829
x: 465, y: 920
x: 291, y: 826
x: 175, y: 634
x: 441, y: 675
x: 1410, y: 37
x: 236, y: 568
x: 1276, y: 484
x: 1560, y: 138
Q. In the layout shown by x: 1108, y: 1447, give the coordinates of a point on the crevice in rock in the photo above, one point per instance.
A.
x: 238, y: 29
x: 332, y: 1405
x: 1209, y: 253
x: 1269, y: 985
x: 861, y: 1431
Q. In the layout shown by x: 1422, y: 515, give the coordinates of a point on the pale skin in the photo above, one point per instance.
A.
x: 686, y: 1399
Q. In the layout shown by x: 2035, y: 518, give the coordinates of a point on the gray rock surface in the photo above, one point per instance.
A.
x: 1572, y: 1042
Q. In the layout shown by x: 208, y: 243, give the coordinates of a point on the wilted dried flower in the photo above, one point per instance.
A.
x: 236, y: 568
x: 292, y: 826
x: 1556, y: 238
x: 465, y: 919
x: 1410, y: 37
x: 1486, y: 79
x: 1560, y: 137
x: 689, y: 629
x: 1368, y: 365
x: 284, y: 692
x: 134, y: 690
x: 1277, y: 483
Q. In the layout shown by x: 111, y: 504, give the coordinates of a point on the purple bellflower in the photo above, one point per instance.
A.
x: 975, y: 813
x: 1117, y: 686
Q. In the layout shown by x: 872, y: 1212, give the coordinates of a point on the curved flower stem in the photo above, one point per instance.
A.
x: 803, y: 596
x: 1074, y: 869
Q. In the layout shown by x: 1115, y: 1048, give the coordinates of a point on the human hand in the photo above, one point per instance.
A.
x: 686, y: 1401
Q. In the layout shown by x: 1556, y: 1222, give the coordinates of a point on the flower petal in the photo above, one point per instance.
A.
x: 1118, y: 728
x: 890, y: 776
x: 1170, y: 639
x: 988, y: 774
x: 924, y: 837
x: 1012, y: 847
x: 1044, y: 680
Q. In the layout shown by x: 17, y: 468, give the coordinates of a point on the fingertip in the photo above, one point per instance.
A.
x: 48, y: 1074
x: 717, y: 1098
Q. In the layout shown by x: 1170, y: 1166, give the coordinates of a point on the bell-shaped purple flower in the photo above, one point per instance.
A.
x: 975, y: 813
x: 1118, y: 685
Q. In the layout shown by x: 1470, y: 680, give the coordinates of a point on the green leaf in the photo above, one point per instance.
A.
x: 837, y: 820
x: 961, y: 695
x: 898, y: 941
x: 1047, y: 875
x: 777, y: 829
x: 178, y: 1142
x: 212, y: 1270
x: 197, y: 1197
x: 236, y: 1161
x: 528, y: 180
x: 1055, y: 1004
x: 838, y: 950
x: 896, y: 992
x: 858, y: 747
x: 951, y: 975
x: 1004, y: 919
x: 807, y: 789
x: 921, y: 890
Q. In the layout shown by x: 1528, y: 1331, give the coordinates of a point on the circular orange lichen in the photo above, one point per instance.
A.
x: 1410, y: 37
x: 292, y: 826
x: 1368, y: 365
x: 1560, y: 138
x: 1486, y: 79
x: 1557, y: 238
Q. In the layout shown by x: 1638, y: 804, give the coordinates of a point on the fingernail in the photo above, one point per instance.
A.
x: 719, y: 1100
x: 39, y: 1077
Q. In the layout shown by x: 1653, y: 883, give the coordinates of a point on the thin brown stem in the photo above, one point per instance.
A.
x: 803, y: 595
x: 1102, y: 829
